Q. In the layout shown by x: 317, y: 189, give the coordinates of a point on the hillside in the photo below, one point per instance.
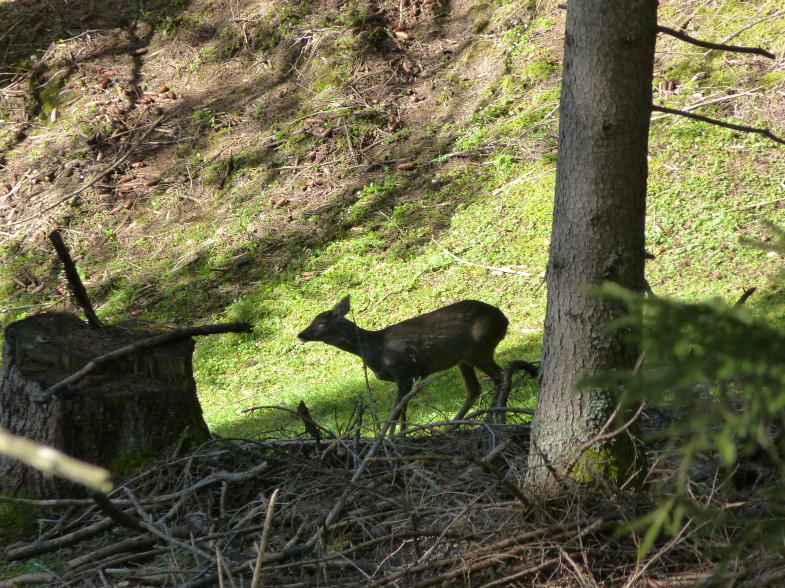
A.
x: 257, y: 161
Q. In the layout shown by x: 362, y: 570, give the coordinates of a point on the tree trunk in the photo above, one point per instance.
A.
x: 138, y: 407
x: 597, y: 236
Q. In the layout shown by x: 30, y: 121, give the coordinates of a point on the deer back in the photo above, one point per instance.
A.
x: 467, y: 331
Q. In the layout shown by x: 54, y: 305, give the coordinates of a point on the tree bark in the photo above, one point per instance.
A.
x: 597, y: 234
x: 135, y: 408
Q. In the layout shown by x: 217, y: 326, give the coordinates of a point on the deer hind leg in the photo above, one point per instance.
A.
x: 504, y: 384
x: 498, y: 398
x: 473, y: 390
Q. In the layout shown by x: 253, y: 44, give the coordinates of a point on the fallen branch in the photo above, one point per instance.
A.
x: 163, y: 339
x: 50, y: 545
x: 34, y: 578
x: 492, y: 555
x: 117, y: 547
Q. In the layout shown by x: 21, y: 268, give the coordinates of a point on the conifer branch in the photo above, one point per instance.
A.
x: 719, y: 123
x: 706, y: 45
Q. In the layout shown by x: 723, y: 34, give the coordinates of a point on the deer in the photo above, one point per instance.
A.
x: 463, y: 334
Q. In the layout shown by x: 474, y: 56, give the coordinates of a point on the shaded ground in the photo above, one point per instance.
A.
x: 425, y: 511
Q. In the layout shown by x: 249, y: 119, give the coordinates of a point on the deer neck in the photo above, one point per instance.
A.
x: 361, y: 342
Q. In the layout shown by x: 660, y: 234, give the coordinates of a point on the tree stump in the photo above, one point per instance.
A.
x: 138, y: 407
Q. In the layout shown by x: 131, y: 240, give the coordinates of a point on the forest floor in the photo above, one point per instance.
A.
x: 256, y: 161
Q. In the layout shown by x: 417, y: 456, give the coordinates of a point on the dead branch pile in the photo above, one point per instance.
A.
x: 443, y: 509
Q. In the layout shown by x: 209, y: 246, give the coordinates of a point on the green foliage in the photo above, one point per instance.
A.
x: 716, y: 372
x: 161, y: 14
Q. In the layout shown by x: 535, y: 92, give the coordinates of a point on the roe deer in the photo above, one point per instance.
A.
x: 464, y: 334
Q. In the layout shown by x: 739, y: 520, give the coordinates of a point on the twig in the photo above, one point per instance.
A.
x: 71, y: 273
x: 524, y: 178
x: 164, y: 339
x: 706, y: 45
x: 349, y: 143
x: 268, y: 519
x: 350, y: 487
x: 497, y: 409
x: 714, y: 101
x: 505, y: 270
x: 753, y: 23
x: 743, y: 298
x: 719, y: 123
x: 509, y: 580
x: 330, y: 434
x: 662, y: 551
x: 582, y: 579
x: 121, y: 517
x: 222, y: 477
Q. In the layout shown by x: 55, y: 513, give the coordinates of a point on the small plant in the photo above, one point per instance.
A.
x: 205, y: 118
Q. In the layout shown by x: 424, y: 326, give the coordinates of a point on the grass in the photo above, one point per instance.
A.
x: 215, y: 250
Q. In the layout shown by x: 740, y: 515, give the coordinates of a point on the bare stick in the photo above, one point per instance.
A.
x: 170, y: 337
x: 131, y: 544
x: 350, y: 487
x: 257, y: 571
x: 52, y: 462
x: 706, y: 45
x: 131, y: 522
x: 121, y: 517
x: 505, y: 270
x: 32, y: 578
x: 71, y: 273
x: 743, y: 298
x: 28, y: 551
x: 294, y: 413
x: 719, y: 123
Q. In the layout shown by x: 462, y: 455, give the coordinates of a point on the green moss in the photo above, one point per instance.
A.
x: 772, y: 79
x: 541, y: 69
x: 17, y: 522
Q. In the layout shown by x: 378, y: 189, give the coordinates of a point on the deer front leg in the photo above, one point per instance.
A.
x: 404, y: 387
x: 473, y: 390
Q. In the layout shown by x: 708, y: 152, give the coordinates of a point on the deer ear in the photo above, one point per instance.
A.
x: 342, y: 308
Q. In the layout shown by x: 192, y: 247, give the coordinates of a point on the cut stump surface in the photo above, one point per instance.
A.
x: 138, y: 407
